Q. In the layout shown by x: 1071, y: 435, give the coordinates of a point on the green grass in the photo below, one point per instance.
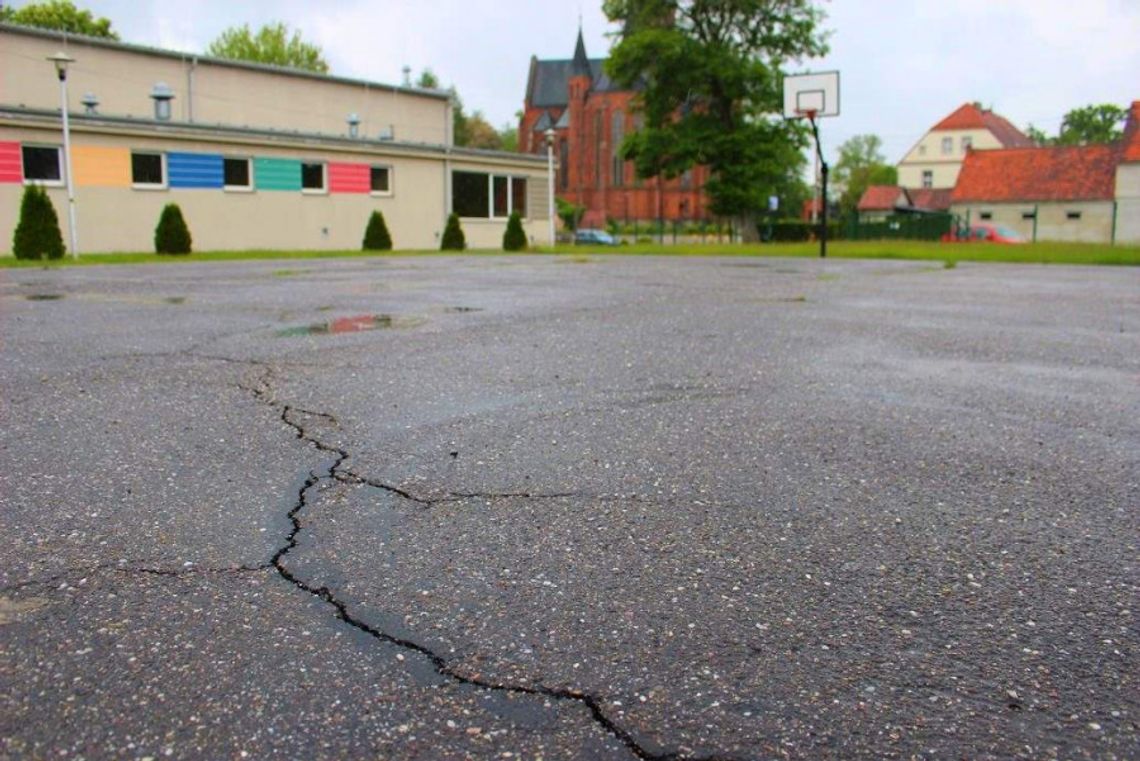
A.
x: 1034, y: 253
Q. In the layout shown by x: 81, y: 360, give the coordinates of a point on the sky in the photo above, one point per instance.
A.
x: 904, y: 64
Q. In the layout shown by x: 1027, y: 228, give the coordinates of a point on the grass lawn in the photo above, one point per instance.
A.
x: 1032, y: 253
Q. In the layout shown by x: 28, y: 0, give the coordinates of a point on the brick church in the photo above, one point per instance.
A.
x: 590, y: 115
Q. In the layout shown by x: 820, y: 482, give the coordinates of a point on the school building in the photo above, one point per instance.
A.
x: 257, y: 157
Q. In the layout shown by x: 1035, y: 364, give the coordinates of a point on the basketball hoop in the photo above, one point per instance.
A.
x: 812, y: 96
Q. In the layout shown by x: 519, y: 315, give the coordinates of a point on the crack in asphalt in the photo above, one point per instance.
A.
x: 263, y: 393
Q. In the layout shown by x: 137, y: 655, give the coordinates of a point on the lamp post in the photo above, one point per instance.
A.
x: 61, y: 61
x: 549, y: 134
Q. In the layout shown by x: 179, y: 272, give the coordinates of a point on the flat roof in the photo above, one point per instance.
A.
x: 14, y: 115
x: 65, y: 38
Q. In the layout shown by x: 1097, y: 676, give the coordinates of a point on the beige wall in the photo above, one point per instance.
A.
x: 111, y: 219
x: 122, y: 79
x: 927, y: 155
x: 1094, y: 226
x: 1128, y: 203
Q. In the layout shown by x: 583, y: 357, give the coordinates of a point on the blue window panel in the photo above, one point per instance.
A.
x: 195, y: 170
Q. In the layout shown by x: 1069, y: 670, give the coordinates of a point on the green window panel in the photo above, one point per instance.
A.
x: 277, y: 174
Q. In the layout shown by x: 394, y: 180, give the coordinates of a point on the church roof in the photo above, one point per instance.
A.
x: 548, y: 85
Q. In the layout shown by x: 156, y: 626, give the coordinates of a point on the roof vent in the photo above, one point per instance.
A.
x: 161, y: 94
x: 91, y: 103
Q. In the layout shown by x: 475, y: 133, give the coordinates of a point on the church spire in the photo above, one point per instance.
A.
x: 581, y: 65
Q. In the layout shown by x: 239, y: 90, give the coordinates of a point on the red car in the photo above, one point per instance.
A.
x: 984, y: 233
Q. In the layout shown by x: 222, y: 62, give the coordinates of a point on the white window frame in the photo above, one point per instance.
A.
x: 391, y: 191
x: 491, y: 217
x: 324, y: 189
x: 967, y: 143
x: 238, y: 188
x: 928, y: 178
x: 947, y: 146
x: 151, y: 185
x: 59, y: 160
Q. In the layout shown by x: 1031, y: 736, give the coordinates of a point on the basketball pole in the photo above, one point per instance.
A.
x: 823, y: 169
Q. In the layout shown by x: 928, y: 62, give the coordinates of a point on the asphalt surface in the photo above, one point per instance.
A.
x: 579, y: 507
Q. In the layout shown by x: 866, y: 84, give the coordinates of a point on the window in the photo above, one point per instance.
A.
x: 947, y: 146
x: 986, y: 216
x: 1072, y: 215
x: 928, y: 178
x: 967, y: 143
x: 617, y: 134
x: 42, y: 164
x: 381, y: 180
x: 687, y: 179
x: 312, y: 177
x: 487, y: 196
x: 236, y: 174
x: 922, y: 150
x: 148, y: 170
x: 1029, y: 215
x: 599, y: 148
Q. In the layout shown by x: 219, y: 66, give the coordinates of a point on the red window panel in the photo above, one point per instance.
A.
x: 11, y: 166
x: 349, y: 178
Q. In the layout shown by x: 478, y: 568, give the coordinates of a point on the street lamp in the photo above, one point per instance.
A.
x: 549, y: 134
x: 61, y: 61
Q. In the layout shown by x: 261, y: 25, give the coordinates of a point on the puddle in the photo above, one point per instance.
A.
x: 174, y: 300
x: 357, y: 324
x: 746, y: 264
x: 44, y: 296
x: 461, y: 310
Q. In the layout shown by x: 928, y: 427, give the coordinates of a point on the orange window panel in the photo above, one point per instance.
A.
x: 98, y: 165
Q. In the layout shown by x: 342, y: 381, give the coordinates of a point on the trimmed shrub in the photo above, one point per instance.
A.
x: 37, y: 233
x: 376, y: 235
x: 453, y: 238
x: 171, y: 236
x: 514, y: 239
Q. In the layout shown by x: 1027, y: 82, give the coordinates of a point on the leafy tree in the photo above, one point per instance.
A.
x: 453, y: 238
x: 428, y: 80
x: 60, y: 15
x: 1092, y: 124
x: 171, y: 236
x: 271, y: 44
x: 1037, y: 135
x: 709, y: 79
x: 37, y: 233
x: 376, y: 235
x: 861, y: 164
x: 569, y: 212
x: 509, y: 138
x: 480, y: 133
x: 514, y: 239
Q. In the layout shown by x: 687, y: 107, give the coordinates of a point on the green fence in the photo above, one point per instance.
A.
x: 901, y: 227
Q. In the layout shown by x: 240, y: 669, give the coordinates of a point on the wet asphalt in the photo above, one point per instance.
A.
x: 570, y: 508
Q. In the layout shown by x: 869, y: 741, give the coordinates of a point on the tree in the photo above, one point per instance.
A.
x: 1037, y: 135
x: 376, y: 235
x: 171, y: 236
x: 709, y: 79
x: 37, y: 233
x: 514, y: 239
x: 861, y: 164
x: 271, y: 44
x: 480, y: 134
x: 60, y: 15
x: 1092, y: 124
x: 428, y: 80
x: 453, y: 237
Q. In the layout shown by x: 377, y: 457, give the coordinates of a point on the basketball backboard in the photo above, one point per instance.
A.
x: 816, y: 94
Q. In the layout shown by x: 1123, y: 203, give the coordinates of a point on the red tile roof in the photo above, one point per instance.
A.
x: 1068, y: 173
x: 930, y: 199
x: 881, y: 198
x: 969, y: 116
x: 1131, y: 142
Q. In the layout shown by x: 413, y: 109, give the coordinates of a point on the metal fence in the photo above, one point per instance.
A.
x: 901, y: 227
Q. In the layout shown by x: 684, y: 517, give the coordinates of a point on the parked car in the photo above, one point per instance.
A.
x: 594, y: 238
x: 984, y: 233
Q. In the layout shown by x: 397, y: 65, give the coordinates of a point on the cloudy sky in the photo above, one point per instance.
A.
x: 904, y: 63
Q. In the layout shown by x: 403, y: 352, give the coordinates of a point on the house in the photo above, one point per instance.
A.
x: 258, y: 157
x: 934, y: 162
x: 1078, y: 193
x: 881, y: 201
x: 590, y: 115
